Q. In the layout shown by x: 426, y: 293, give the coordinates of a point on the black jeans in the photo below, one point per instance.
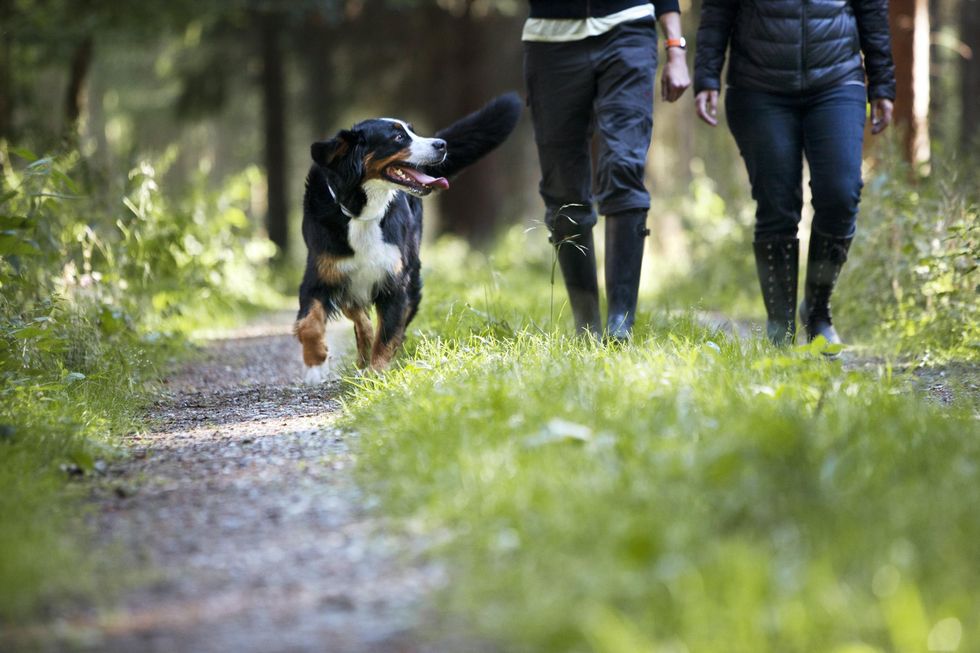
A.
x: 775, y: 131
x: 602, y: 83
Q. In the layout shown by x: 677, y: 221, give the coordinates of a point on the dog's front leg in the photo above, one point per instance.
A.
x: 309, y: 329
x: 362, y: 333
x: 392, y: 307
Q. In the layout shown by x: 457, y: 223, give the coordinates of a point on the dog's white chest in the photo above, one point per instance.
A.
x: 373, y: 261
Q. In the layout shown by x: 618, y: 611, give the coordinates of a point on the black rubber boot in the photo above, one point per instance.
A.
x: 823, y: 265
x: 576, y: 258
x: 777, y: 262
x: 625, y: 239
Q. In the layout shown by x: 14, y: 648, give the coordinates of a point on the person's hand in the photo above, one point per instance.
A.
x: 881, y: 114
x: 675, y: 78
x: 707, y: 106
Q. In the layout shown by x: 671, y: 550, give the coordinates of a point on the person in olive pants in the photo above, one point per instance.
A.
x: 589, y: 67
x: 798, y: 86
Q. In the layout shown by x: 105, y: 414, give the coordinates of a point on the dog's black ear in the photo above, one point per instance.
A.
x: 325, y: 152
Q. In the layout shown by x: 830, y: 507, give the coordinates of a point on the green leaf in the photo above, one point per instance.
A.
x: 27, y: 332
x: 24, y: 153
x: 112, y: 320
x: 11, y: 222
x: 13, y: 244
x: 832, y: 349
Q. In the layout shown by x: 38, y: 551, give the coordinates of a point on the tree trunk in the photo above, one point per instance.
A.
x: 970, y: 72
x: 910, y: 48
x: 81, y: 64
x: 274, y: 119
x: 6, y: 77
x: 319, y: 82
x: 474, y: 49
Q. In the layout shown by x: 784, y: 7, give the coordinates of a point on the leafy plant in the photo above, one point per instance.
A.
x: 95, y: 295
x: 912, y: 281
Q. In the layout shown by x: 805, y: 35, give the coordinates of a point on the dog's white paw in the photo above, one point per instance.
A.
x: 317, y: 374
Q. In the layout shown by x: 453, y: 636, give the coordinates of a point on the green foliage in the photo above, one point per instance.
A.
x: 688, y: 492
x: 95, y: 292
x: 911, y: 285
x: 491, y: 293
x: 716, y: 271
x: 912, y: 282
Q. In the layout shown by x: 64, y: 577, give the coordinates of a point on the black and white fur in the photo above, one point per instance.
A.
x: 362, y: 223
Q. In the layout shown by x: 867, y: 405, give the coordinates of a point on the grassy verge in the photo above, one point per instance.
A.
x: 910, y: 284
x: 690, y: 492
x: 98, y: 294
x: 59, y: 424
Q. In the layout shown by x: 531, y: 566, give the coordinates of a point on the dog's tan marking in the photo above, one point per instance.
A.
x: 362, y: 333
x: 329, y: 271
x: 309, y: 331
x: 373, y: 168
x: 383, y: 352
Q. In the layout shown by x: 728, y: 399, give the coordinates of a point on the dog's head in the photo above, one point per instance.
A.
x: 386, y: 151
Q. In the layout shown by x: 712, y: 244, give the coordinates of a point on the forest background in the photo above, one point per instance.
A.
x: 152, y: 160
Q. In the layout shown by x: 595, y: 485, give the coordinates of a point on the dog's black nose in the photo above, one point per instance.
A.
x: 439, y: 145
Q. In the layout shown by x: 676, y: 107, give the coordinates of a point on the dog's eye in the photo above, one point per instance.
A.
x: 401, y: 137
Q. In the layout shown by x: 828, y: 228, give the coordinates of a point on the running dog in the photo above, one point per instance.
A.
x: 362, y: 223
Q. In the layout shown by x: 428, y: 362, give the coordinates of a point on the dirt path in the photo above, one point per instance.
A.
x: 241, y: 503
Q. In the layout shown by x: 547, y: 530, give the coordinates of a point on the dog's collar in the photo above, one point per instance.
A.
x: 343, y: 209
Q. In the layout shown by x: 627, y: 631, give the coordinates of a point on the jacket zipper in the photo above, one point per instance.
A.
x: 803, y: 61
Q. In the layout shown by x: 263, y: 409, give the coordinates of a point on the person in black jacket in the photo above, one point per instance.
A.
x: 589, y: 66
x: 797, y: 87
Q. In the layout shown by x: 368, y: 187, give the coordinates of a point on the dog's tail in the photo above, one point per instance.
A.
x: 477, y: 134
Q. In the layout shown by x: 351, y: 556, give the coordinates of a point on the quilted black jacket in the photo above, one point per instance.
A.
x: 794, y: 46
x: 592, y: 8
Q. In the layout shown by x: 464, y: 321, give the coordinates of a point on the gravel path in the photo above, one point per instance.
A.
x: 240, y: 502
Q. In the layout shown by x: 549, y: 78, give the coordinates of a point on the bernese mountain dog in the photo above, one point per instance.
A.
x: 362, y: 223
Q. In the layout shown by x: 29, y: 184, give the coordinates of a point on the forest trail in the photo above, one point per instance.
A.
x: 239, y: 502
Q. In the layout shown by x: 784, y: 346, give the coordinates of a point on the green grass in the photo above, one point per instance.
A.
x: 98, y: 294
x: 690, y: 492
x: 62, y: 414
x: 66, y: 392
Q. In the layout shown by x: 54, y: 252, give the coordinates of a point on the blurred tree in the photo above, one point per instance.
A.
x: 910, y: 47
x: 970, y: 72
x: 81, y: 64
x: 473, y: 45
x: 268, y: 33
x: 6, y: 81
x: 269, y: 25
x: 319, y: 39
x: 222, y: 51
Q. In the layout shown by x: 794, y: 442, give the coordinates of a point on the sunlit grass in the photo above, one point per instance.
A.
x: 688, y: 492
x: 57, y: 425
x: 98, y: 296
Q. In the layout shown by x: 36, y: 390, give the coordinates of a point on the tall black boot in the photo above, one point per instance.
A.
x: 625, y: 239
x: 823, y: 265
x: 576, y: 258
x: 777, y: 262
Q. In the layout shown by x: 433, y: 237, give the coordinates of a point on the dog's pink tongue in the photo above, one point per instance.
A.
x: 426, y: 180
